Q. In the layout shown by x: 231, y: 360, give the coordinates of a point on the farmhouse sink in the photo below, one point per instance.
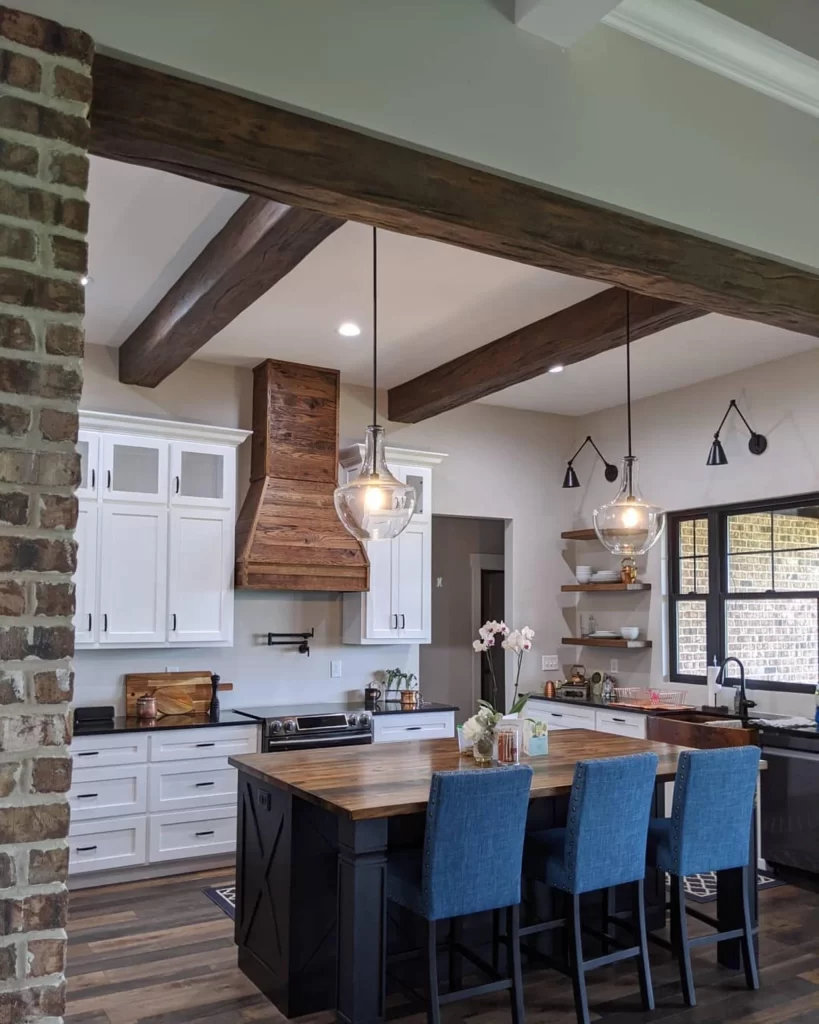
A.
x: 700, y: 729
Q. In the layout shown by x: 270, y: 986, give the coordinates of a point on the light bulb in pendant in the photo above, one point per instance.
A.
x: 374, y: 499
x: 375, y: 505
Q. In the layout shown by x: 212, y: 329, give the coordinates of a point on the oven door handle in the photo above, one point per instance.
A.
x: 313, y: 741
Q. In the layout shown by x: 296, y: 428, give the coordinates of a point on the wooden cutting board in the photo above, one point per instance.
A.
x: 177, y: 693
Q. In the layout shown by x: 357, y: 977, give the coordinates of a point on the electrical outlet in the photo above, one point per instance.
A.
x: 335, y: 670
x: 171, y: 668
x: 614, y: 665
x: 549, y: 663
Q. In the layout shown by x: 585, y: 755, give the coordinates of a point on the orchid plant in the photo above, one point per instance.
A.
x: 518, y: 641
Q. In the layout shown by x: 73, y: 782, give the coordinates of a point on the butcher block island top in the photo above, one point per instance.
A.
x: 390, y: 779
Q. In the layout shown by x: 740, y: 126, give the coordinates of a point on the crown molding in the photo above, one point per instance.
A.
x: 352, y: 457
x: 145, y: 426
x: 703, y: 36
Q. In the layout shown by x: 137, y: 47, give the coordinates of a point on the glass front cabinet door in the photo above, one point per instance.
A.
x: 134, y: 468
x: 202, y: 475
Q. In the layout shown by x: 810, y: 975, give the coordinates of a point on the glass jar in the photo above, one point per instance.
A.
x: 482, y: 749
x: 510, y: 741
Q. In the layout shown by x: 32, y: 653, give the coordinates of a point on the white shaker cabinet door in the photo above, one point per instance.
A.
x: 85, y: 578
x: 414, y: 578
x: 381, y: 620
x: 200, y: 601
x: 133, y: 574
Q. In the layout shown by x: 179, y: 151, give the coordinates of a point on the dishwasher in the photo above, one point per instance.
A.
x: 790, y: 798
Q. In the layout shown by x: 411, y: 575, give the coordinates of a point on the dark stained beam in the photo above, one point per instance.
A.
x: 148, y: 117
x: 569, y: 336
x: 261, y: 243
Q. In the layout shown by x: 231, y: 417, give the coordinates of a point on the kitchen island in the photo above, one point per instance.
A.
x: 314, y: 828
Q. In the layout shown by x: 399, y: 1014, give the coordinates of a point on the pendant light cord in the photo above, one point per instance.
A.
x: 628, y: 367
x: 375, y: 327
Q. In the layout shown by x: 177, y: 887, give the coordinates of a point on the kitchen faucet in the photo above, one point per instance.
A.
x: 744, y: 703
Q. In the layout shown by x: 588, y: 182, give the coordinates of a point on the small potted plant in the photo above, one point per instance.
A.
x: 408, y: 686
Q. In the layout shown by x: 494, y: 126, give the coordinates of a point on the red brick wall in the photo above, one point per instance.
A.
x: 45, y: 88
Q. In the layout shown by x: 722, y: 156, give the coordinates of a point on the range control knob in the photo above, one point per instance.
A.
x: 289, y: 725
x: 276, y: 726
x: 363, y: 721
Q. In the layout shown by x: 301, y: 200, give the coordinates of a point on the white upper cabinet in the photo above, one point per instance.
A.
x: 155, y: 532
x: 133, y: 571
x: 203, y: 475
x: 396, y: 609
x: 199, y: 574
x: 134, y: 468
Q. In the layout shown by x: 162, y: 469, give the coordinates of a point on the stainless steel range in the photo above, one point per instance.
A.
x: 312, y: 726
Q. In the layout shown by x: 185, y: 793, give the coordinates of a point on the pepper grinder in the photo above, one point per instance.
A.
x: 213, y: 710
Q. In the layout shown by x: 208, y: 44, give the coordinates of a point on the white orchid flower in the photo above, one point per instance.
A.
x: 478, y: 645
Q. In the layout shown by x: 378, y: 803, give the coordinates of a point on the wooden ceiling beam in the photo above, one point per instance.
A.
x: 571, y: 335
x: 261, y: 243
x: 148, y: 117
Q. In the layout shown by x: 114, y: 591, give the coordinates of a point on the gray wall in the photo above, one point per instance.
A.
x: 446, y: 664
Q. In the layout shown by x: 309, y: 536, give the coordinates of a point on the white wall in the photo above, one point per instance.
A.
x: 501, y: 464
x: 672, y: 436
x: 614, y: 119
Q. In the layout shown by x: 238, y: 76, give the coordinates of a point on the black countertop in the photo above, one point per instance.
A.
x: 393, y: 707
x: 599, y: 703
x: 123, y: 724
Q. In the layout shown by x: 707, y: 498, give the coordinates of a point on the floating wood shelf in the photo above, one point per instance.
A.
x: 587, y: 534
x: 608, y: 641
x: 573, y: 588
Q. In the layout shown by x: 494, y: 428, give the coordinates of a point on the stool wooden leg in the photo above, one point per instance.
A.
x: 581, y: 1002
x: 434, y: 1007
x: 644, y: 967
x: 747, y: 940
x: 455, y: 958
x: 679, y: 939
x: 513, y: 958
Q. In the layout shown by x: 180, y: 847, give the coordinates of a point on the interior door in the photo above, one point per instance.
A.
x: 414, y: 572
x: 380, y: 616
x: 200, y: 557
x: 134, y: 468
x: 133, y: 574
x: 85, y: 578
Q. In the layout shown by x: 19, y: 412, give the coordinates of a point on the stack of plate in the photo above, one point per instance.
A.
x: 605, y: 576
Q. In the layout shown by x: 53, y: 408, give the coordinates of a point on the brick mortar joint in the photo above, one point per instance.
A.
x: 42, y: 143
x: 7, y: 220
x: 47, y: 60
x: 37, y: 316
x: 45, y: 95
x: 41, y: 183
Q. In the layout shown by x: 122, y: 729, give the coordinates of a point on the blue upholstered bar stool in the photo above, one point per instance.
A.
x: 470, y: 862
x: 603, y: 845
x: 709, y: 830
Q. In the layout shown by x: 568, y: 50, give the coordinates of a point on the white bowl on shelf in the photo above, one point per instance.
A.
x: 629, y: 632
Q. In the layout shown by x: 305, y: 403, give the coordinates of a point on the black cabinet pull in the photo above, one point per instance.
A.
x: 206, y: 744
x: 90, y: 622
x: 413, y: 728
x: 85, y: 849
x: 87, y: 753
x: 200, y: 784
x: 556, y: 714
x: 395, y: 621
x: 173, y: 622
x: 86, y: 796
x: 210, y: 833
x: 108, y: 479
x: 403, y: 621
x: 93, y: 479
x: 105, y: 622
x: 619, y: 720
x: 176, y: 485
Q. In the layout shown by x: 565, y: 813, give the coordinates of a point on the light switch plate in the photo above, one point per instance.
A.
x: 549, y: 663
x: 335, y: 670
x: 614, y: 665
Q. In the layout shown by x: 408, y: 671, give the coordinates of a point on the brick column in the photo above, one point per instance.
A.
x: 45, y: 88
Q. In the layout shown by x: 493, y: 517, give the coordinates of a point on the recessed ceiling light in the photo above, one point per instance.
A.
x: 557, y: 368
x: 349, y: 330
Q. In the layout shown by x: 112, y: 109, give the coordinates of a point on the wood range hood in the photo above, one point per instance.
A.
x: 288, y: 536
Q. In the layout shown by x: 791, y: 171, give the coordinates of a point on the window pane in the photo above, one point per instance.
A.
x: 749, y: 573
x: 796, y: 570
x: 702, y: 575
x: 750, y: 532
x: 777, y: 639
x: 701, y: 536
x: 686, y: 575
x: 691, y: 645
x: 796, y: 528
x: 686, y: 538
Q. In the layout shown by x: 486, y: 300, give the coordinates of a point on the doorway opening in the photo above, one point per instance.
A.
x: 468, y: 587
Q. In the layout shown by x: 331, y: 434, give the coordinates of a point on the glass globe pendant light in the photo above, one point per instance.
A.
x: 375, y: 505
x: 629, y: 525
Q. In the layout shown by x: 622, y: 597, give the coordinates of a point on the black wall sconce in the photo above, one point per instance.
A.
x: 570, y: 478
x: 756, y: 445
x: 288, y: 639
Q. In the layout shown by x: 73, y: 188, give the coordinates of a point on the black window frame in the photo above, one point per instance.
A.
x: 715, y: 599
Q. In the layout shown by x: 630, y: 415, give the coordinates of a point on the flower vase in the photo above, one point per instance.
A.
x: 483, y: 749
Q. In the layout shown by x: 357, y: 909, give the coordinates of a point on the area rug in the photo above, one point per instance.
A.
x: 703, y: 888
x: 224, y: 896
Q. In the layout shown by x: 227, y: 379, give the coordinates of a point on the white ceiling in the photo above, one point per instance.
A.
x: 435, y: 301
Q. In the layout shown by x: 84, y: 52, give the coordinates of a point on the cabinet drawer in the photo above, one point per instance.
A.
x: 107, y: 792
x: 124, y: 748
x: 191, y: 784
x: 195, y: 833
x: 418, y: 726
x: 622, y: 724
x: 187, y: 744
x: 100, y: 845
x: 561, y: 716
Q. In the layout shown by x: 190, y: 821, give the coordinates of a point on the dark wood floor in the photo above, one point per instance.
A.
x: 161, y: 953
